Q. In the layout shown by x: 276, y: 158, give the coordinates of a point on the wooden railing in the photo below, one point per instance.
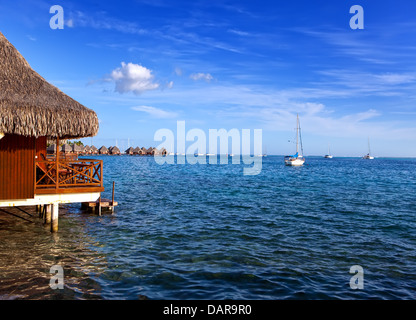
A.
x: 68, y: 176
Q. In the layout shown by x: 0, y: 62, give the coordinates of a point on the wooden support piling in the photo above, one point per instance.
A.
x: 47, y: 213
x: 55, y: 215
x: 99, y: 206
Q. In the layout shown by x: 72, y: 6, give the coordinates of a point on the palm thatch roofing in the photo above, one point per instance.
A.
x: 66, y: 148
x: 52, y: 148
x: 103, y: 149
x: 77, y: 148
x: 87, y: 148
x: 129, y: 150
x: 94, y: 149
x: 115, y: 150
x: 31, y: 106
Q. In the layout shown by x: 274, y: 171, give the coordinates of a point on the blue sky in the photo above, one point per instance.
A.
x: 143, y: 65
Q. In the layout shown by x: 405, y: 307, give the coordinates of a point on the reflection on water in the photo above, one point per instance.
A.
x: 28, y: 250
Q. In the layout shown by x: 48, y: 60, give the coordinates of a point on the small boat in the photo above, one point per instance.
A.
x: 297, y: 159
x: 329, y: 155
x: 368, y: 156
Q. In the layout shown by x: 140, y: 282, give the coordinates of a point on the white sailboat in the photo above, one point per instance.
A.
x: 297, y: 159
x: 368, y: 156
x: 328, y: 155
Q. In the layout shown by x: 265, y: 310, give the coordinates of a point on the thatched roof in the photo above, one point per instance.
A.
x: 66, y: 148
x: 94, y: 149
x: 77, y: 148
x: 52, y: 148
x: 31, y: 106
x: 129, y: 150
x: 115, y: 150
x: 103, y: 149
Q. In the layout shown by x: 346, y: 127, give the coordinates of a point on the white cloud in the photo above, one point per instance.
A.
x: 201, y: 76
x: 155, y: 112
x: 133, y: 78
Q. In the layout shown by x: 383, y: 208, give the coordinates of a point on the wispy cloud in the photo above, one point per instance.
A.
x: 104, y: 22
x: 155, y: 112
x: 201, y: 76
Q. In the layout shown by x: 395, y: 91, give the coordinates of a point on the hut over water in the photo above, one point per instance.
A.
x: 103, y: 150
x: 129, y: 151
x: 115, y: 151
x: 66, y: 148
x: 33, y: 111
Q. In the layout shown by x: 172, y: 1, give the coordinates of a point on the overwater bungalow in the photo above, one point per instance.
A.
x: 32, y: 112
x: 94, y: 150
x: 144, y: 151
x: 52, y: 149
x: 86, y: 150
x: 163, y: 152
x: 77, y: 149
x: 114, y: 151
x: 103, y: 150
x: 129, y: 151
x: 66, y: 148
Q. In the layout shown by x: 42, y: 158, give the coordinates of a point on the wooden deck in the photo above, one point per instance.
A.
x: 99, y: 204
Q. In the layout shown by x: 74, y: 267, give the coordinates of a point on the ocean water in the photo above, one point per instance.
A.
x: 209, y: 232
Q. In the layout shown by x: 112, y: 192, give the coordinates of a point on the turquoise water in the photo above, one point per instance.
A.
x: 209, y: 232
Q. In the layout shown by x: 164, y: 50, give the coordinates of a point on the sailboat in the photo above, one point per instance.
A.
x: 296, y: 159
x: 328, y: 155
x: 368, y: 156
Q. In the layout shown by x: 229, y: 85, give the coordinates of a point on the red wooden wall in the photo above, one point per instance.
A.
x: 17, y: 167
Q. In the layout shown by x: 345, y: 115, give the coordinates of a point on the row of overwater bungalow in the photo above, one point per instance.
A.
x: 92, y: 150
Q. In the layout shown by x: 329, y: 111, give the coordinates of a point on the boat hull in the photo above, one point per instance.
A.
x: 295, y: 162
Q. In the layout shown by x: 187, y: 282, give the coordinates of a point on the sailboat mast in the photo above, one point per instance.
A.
x: 297, y: 133
x: 369, y: 152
